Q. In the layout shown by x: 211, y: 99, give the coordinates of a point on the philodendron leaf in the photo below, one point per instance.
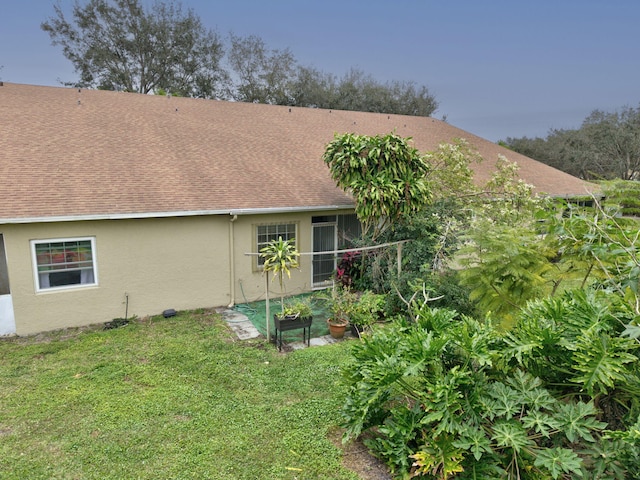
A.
x: 511, y: 434
x: 541, y: 423
x: 578, y: 420
x: 474, y: 440
x: 439, y: 458
x: 601, y: 361
x: 632, y: 331
x: 559, y: 461
x: 506, y: 400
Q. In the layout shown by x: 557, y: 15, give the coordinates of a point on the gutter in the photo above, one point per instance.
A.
x: 186, y: 213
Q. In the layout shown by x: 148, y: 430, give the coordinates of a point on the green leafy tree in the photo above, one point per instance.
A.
x: 563, y: 149
x: 504, y: 259
x: 429, y: 235
x: 358, y: 91
x: 385, y: 174
x: 614, y: 142
x: 504, y: 267
x: 505, y: 198
x: 606, y: 146
x: 361, y: 92
x: 121, y: 45
x: 313, y: 88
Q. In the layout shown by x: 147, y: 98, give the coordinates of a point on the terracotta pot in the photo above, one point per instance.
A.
x: 337, y: 329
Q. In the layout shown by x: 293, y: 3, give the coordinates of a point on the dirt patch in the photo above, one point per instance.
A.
x: 357, y: 458
x: 52, y: 335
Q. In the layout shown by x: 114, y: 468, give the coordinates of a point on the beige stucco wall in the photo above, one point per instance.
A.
x: 249, y: 284
x: 166, y: 263
x: 181, y: 263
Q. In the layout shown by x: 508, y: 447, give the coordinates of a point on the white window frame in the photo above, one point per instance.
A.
x: 36, y: 274
x: 259, y: 260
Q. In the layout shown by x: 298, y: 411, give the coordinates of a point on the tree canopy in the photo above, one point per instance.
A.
x: 123, y: 45
x: 358, y: 91
x: 606, y: 146
x: 263, y: 75
x: 120, y: 45
x: 385, y: 174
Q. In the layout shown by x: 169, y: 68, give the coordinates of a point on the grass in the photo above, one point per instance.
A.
x: 167, y: 398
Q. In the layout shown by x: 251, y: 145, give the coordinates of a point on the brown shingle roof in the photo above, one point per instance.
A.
x: 90, y: 153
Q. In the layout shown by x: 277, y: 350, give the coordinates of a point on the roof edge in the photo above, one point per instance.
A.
x: 188, y: 213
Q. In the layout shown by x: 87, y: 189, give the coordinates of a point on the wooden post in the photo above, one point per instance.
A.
x: 267, y: 304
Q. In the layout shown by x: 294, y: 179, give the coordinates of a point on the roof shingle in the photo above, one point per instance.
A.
x: 66, y: 152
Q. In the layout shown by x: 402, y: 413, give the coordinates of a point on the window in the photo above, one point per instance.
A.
x: 330, y: 233
x: 64, y: 263
x: 266, y: 233
x: 349, y: 230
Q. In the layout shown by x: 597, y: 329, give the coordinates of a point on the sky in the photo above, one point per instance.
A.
x: 498, y: 68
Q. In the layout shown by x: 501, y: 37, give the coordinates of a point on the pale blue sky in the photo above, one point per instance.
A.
x: 498, y: 68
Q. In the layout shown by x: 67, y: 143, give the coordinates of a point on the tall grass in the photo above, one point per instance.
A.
x: 167, y: 398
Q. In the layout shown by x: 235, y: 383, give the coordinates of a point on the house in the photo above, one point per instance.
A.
x: 118, y: 204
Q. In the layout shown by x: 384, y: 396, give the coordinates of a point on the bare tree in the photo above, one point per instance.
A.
x: 263, y: 75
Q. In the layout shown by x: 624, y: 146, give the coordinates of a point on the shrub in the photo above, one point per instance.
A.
x: 447, y: 396
x: 367, y: 309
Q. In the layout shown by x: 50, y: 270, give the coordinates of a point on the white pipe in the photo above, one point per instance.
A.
x: 232, y: 268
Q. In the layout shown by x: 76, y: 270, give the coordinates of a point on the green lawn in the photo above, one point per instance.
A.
x: 178, y: 398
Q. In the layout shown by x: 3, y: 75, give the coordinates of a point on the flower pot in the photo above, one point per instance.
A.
x: 292, y: 322
x: 337, y: 329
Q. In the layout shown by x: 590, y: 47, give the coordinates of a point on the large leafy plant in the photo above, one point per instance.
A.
x: 578, y: 344
x: 446, y: 396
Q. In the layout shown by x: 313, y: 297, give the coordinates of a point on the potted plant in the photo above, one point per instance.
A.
x: 337, y: 326
x: 280, y: 256
x: 341, y: 301
x: 299, y: 308
x: 365, y: 311
x: 296, y: 314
